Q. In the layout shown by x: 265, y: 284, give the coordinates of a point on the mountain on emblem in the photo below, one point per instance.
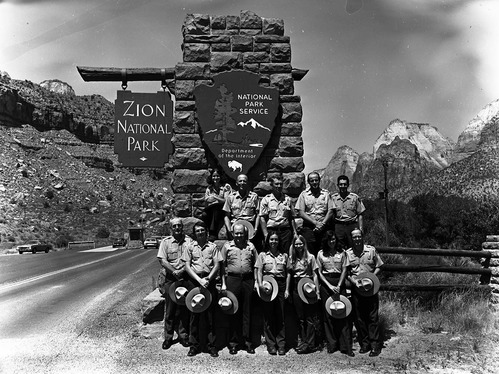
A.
x: 236, y: 119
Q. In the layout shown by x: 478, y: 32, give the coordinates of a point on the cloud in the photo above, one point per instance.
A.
x: 97, y: 15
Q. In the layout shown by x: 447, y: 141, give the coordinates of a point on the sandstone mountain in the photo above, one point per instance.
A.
x: 53, y: 105
x: 418, y: 159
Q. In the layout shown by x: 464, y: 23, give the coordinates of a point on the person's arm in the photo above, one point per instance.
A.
x: 288, y: 283
x: 316, y: 281
x: 263, y: 225
x: 361, y: 223
x: 169, y: 268
x: 194, y: 276
x: 227, y: 225
x: 223, y: 264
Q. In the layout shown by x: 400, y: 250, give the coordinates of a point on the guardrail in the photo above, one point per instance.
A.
x: 88, y: 244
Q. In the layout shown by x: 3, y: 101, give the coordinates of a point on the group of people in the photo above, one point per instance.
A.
x: 322, y: 268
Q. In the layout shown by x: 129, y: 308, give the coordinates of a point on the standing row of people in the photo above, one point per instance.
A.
x: 316, y: 286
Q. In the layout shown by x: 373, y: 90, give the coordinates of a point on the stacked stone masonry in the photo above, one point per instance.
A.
x: 215, y: 44
x: 492, y: 245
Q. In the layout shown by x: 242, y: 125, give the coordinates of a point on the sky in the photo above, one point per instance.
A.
x: 369, y: 61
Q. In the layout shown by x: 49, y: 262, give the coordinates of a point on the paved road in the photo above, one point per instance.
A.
x: 48, y: 302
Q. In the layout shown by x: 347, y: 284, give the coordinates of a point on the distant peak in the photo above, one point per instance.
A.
x: 252, y: 123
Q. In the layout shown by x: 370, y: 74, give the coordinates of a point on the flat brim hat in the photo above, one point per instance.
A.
x: 369, y: 284
x: 307, y: 291
x: 247, y: 224
x: 198, y: 299
x: 270, y: 288
x: 178, y: 291
x: 338, y: 306
x: 228, y: 302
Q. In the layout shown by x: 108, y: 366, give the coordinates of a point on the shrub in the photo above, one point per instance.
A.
x: 49, y: 194
x: 102, y: 232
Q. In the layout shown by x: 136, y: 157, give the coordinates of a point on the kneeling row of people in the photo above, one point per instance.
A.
x: 317, y: 287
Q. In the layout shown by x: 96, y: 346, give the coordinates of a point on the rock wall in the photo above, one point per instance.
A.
x: 215, y: 44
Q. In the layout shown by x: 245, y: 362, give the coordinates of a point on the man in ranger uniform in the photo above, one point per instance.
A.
x: 170, y: 258
x: 315, y: 207
x: 202, y: 262
x: 241, y: 204
x: 348, y: 209
x: 276, y: 215
x: 364, y: 260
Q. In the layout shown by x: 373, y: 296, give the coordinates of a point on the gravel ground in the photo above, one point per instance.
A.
x: 112, y: 341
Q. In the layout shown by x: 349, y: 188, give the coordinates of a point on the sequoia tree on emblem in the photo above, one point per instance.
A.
x: 236, y: 117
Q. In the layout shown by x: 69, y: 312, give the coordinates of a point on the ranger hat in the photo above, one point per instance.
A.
x: 369, y: 284
x: 198, y: 299
x: 178, y: 291
x: 338, y: 306
x: 228, y: 302
x: 307, y: 291
x: 269, y: 289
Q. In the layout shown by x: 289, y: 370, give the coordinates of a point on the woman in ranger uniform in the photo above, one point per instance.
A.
x: 302, y: 271
x: 272, y: 263
x: 333, y: 263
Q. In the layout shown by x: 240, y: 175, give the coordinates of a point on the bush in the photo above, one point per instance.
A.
x: 102, y: 232
x: 62, y: 240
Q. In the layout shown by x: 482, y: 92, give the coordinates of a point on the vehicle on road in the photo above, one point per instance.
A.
x: 34, y: 246
x: 120, y: 242
x: 151, y: 243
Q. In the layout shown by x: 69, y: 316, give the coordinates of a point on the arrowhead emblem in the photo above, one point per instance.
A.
x: 236, y: 118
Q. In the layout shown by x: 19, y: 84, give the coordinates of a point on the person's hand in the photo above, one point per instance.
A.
x: 224, y: 288
x: 204, y: 282
x: 335, y: 289
x: 286, y: 294
x: 318, y: 295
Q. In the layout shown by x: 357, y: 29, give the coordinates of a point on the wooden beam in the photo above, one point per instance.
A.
x: 432, y: 287
x: 434, y: 252
x: 98, y: 74
x: 435, y: 268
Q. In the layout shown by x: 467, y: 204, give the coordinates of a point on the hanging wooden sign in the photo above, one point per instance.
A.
x: 143, y: 128
x: 236, y: 117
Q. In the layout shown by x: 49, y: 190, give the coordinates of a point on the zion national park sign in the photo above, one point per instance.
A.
x: 236, y: 117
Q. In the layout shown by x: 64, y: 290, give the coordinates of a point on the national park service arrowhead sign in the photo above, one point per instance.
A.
x: 143, y: 128
x: 236, y: 117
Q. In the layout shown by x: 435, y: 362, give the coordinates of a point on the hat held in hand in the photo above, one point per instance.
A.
x: 369, y: 284
x: 307, y: 291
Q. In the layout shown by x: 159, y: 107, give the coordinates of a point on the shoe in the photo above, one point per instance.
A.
x: 331, y: 350
x: 166, y: 344
x: 250, y: 350
x: 302, y: 351
x: 213, y: 352
x: 364, y: 349
x: 184, y: 342
x: 348, y: 353
x: 272, y: 351
x: 192, y: 352
x: 232, y: 350
x: 281, y: 351
x: 375, y: 352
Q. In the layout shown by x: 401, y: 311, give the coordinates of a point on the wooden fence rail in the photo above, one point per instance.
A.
x: 484, y: 271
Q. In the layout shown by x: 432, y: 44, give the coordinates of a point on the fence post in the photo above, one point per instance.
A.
x: 492, y: 245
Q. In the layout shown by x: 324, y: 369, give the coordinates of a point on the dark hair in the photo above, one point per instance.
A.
x: 314, y: 172
x: 267, y: 241
x: 343, y: 177
x: 209, y: 178
x: 325, y: 241
x: 199, y: 224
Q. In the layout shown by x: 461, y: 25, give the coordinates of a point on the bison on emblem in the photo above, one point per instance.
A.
x: 234, y: 165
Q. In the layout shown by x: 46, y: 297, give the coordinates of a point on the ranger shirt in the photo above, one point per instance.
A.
x: 272, y: 265
x: 242, y: 208
x: 171, y: 250
x: 348, y: 209
x: 202, y: 259
x: 237, y: 260
x: 332, y: 264
x: 368, y: 260
x: 303, y: 268
x: 315, y: 207
x: 277, y: 211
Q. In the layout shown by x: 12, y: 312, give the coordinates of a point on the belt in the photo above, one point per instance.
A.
x: 344, y: 223
x: 242, y: 276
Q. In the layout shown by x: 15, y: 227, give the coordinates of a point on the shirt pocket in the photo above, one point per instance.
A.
x: 172, y: 256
